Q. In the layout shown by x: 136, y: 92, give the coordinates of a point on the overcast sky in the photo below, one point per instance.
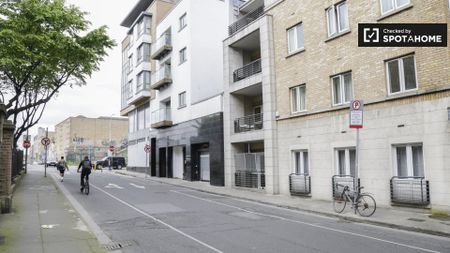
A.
x: 101, y: 95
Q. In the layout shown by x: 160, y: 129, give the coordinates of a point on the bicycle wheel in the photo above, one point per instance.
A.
x: 86, y: 188
x: 366, y: 205
x: 339, y: 203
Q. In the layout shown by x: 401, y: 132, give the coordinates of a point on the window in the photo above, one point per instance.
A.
x: 182, y: 100
x: 143, y: 80
x: 401, y: 74
x: 408, y: 160
x: 130, y: 63
x: 143, y: 26
x: 346, y: 161
x: 142, y: 120
x: 143, y: 53
x: 183, y: 23
x: 301, y: 164
x: 183, y: 56
x: 295, y: 38
x: 298, y: 98
x: 342, y: 88
x: 131, y: 121
x: 337, y: 17
x: 391, y: 5
x: 130, y: 89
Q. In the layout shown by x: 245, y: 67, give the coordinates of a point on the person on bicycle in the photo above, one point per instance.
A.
x: 62, y: 166
x: 85, y: 167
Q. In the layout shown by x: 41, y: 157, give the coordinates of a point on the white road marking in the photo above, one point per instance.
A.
x: 138, y: 186
x: 306, y: 223
x: 158, y: 220
x: 109, y: 186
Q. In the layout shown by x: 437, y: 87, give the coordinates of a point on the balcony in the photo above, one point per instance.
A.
x: 299, y: 184
x: 248, y: 70
x: 250, y: 170
x: 346, y: 180
x: 161, y: 78
x: 410, y: 191
x: 161, y: 118
x: 161, y: 47
x: 245, y: 20
x: 140, y: 96
x: 248, y: 123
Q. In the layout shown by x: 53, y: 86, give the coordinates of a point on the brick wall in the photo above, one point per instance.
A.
x: 5, y: 166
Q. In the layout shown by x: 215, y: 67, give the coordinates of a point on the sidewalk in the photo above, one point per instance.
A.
x: 43, y: 221
x: 410, y: 219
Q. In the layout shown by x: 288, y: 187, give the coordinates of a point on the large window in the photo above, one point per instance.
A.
x: 132, y: 122
x: 143, y: 53
x: 401, y: 74
x: 182, y: 100
x: 183, y: 55
x: 295, y: 39
x: 130, y: 89
x: 183, y: 22
x: 130, y: 64
x: 337, y: 17
x: 342, y: 88
x: 298, y: 98
x: 143, y: 26
x: 143, y: 81
x: 391, y: 5
x: 301, y: 164
x: 142, y: 117
x: 346, y: 161
x: 408, y: 160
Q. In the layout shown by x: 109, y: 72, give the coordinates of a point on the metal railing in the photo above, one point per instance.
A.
x: 248, y: 123
x: 410, y: 190
x: 250, y: 170
x: 347, y: 180
x: 163, y: 114
x: 248, y: 70
x: 245, y: 20
x: 299, y: 184
x: 165, y: 41
x: 161, y: 74
x: 17, y: 163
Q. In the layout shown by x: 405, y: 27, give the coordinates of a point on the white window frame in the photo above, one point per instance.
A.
x: 336, y: 19
x: 295, y: 28
x: 342, y: 88
x: 130, y: 63
x: 395, y: 6
x: 183, y: 55
x: 130, y: 88
x: 409, y: 158
x: 182, y: 102
x: 298, y: 104
x: 401, y: 72
x: 347, y: 160
x: 182, y: 21
x: 302, y: 162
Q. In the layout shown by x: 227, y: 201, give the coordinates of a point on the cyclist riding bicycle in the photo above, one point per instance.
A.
x: 86, y: 167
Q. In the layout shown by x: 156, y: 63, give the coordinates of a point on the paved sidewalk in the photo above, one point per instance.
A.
x: 412, y: 219
x: 43, y: 221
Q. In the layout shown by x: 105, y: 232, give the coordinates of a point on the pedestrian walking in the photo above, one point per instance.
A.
x: 62, y: 167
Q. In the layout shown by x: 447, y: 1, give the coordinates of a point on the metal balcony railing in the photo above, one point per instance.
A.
x: 161, y: 115
x: 248, y: 70
x: 347, y: 180
x: 245, y: 20
x: 299, y: 184
x: 250, y: 170
x: 410, y: 190
x: 161, y: 46
x: 248, y: 123
x: 161, y: 77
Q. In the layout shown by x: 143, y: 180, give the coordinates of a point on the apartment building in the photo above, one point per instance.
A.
x: 79, y: 136
x: 250, y: 130
x: 319, y: 68
x: 182, y: 120
x: 37, y: 151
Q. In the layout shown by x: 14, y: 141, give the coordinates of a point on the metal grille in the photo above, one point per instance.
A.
x: 17, y: 163
x: 250, y: 170
x: 299, y: 184
x: 410, y: 190
x: 248, y: 70
x: 347, y: 180
x: 248, y: 123
x: 250, y: 179
x: 118, y: 245
x: 245, y: 20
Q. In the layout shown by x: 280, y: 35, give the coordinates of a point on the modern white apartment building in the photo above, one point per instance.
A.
x: 182, y: 113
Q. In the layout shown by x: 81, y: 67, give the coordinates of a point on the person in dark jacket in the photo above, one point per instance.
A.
x: 85, y: 167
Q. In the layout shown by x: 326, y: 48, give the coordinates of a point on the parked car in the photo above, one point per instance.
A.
x: 52, y: 163
x: 117, y: 162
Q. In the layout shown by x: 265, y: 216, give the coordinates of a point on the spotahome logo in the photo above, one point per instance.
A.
x: 402, y: 35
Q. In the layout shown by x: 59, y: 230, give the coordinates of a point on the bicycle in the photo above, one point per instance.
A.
x: 363, y: 203
x: 85, y: 188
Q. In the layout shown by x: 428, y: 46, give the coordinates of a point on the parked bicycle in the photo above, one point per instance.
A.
x: 363, y: 203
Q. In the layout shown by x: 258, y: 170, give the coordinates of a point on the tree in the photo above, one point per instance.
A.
x: 44, y: 45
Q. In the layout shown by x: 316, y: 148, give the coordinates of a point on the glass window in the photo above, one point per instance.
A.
x: 183, y: 22
x: 183, y: 56
x: 301, y: 166
x: 131, y: 121
x: 346, y: 161
x: 143, y: 53
x: 130, y: 89
x: 342, y: 88
x: 143, y: 80
x: 391, y: 5
x: 295, y: 38
x: 298, y: 98
x: 401, y: 74
x: 409, y: 160
x: 182, y: 99
x: 337, y: 19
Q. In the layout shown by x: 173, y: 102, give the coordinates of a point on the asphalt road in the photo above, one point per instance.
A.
x: 154, y: 217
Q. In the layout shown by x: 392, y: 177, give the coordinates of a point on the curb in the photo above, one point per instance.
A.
x: 353, y: 219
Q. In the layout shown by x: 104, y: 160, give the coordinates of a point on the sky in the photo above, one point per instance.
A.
x: 101, y: 95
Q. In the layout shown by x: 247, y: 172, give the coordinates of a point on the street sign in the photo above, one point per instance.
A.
x: 111, y: 148
x: 26, y: 144
x: 147, y: 148
x: 356, y: 113
x: 45, y: 141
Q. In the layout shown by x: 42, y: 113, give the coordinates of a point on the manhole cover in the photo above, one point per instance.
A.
x: 118, y: 245
x: 417, y: 220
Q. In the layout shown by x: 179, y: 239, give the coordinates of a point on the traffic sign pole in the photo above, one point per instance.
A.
x: 46, y: 149
x: 356, y: 121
